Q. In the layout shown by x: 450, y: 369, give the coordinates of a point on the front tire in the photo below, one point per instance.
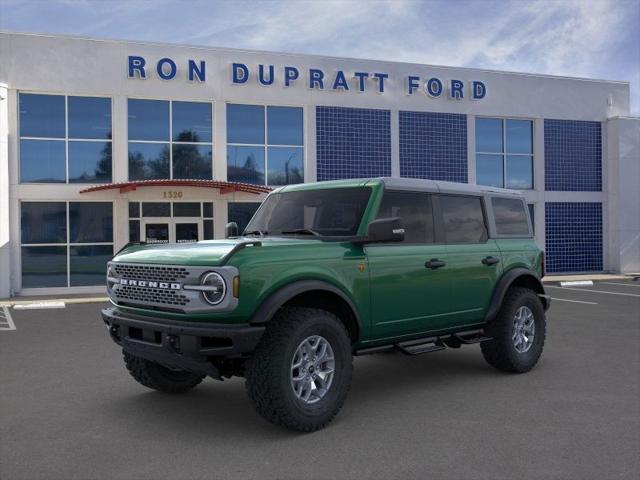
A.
x: 300, y: 372
x: 157, y: 377
x: 518, y: 332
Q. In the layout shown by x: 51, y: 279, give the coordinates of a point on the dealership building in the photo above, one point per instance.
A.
x: 106, y: 142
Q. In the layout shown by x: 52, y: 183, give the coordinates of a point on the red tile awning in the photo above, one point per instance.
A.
x: 224, y: 187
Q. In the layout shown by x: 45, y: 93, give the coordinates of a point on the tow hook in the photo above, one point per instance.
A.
x: 174, y: 343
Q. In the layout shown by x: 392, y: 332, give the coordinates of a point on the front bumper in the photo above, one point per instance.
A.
x: 185, y: 345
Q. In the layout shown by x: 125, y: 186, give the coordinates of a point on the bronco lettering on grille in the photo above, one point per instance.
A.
x: 149, y: 284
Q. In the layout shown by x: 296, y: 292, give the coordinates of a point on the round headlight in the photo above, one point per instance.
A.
x: 215, y: 288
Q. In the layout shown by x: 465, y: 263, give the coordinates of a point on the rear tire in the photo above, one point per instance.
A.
x: 317, y: 341
x: 518, y: 332
x: 157, y: 377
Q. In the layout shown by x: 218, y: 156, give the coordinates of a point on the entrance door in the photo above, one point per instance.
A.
x: 171, y: 230
x: 156, y: 230
x: 187, y: 230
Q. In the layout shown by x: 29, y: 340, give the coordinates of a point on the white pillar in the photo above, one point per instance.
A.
x: 395, y: 143
x: 623, y: 194
x: 5, y: 244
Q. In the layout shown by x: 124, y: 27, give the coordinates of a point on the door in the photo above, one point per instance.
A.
x: 187, y: 230
x: 156, y: 230
x: 170, y: 230
x: 474, y: 260
x: 410, y: 290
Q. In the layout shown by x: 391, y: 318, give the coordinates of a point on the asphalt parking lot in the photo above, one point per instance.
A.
x: 69, y: 410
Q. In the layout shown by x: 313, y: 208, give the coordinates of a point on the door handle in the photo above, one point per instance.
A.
x: 490, y: 260
x: 434, y: 263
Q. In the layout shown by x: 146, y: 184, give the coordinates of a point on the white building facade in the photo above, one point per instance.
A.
x: 105, y: 142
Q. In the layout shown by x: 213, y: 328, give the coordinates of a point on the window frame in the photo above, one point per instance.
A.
x: 485, y: 218
x: 204, y: 217
x: 494, y: 226
x: 170, y: 142
x: 504, y: 154
x: 266, y: 145
x: 435, y: 205
x: 66, y: 139
x: 67, y: 244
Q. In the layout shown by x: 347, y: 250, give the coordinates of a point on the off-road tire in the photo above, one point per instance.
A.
x: 268, y: 380
x: 500, y: 351
x: 155, y: 376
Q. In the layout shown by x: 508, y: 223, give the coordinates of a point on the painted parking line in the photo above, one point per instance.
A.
x: 595, y: 291
x: 622, y: 284
x: 6, y: 322
x: 572, y: 301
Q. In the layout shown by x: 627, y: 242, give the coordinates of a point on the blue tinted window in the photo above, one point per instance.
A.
x: 191, y: 122
x: 284, y: 126
x: 90, y: 222
x: 43, y: 222
x: 207, y: 210
x: 42, y: 161
x: 192, y: 161
x: 241, y: 213
x: 352, y: 143
x: 186, y: 209
x: 519, y: 172
x: 44, y: 267
x: 89, y: 162
x: 134, y: 210
x: 489, y: 135
x: 207, y: 226
x: 519, y: 136
x: 245, y: 164
x: 245, y: 124
x: 134, y: 230
x: 433, y: 145
x: 148, y: 161
x: 88, y: 264
x: 489, y: 170
x: 156, y: 209
x: 148, y: 120
x: 285, y: 165
x: 41, y: 115
x: 89, y: 117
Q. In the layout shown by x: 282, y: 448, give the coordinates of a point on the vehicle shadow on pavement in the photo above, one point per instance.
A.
x: 222, y: 409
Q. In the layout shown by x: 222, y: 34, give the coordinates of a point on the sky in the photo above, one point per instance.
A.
x: 579, y: 38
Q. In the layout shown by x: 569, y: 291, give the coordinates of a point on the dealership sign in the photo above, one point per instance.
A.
x: 313, y: 78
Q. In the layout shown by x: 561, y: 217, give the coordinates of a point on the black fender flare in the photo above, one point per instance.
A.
x: 277, y: 299
x: 506, y: 281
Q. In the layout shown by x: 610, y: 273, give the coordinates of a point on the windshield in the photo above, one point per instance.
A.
x: 325, y: 212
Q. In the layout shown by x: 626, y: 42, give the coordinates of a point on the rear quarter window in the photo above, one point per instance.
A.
x: 510, y: 216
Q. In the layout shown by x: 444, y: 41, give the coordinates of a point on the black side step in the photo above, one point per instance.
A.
x: 418, y: 348
x: 469, y: 338
x: 429, y: 344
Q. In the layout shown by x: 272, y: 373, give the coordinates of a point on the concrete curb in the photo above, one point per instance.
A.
x: 69, y: 301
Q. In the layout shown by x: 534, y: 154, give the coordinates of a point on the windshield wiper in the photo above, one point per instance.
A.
x: 302, y: 231
x: 255, y: 232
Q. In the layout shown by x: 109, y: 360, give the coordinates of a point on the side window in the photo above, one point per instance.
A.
x: 415, y: 212
x: 463, y: 219
x: 510, y: 216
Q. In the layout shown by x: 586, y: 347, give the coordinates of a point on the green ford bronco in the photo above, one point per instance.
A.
x: 327, y: 271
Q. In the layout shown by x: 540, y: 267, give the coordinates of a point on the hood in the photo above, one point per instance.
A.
x: 205, y: 253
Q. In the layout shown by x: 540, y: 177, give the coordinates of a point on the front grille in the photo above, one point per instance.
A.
x: 153, y: 273
x: 159, y: 296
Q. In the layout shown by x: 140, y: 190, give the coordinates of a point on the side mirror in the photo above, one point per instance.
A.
x: 385, y: 230
x: 231, y: 230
